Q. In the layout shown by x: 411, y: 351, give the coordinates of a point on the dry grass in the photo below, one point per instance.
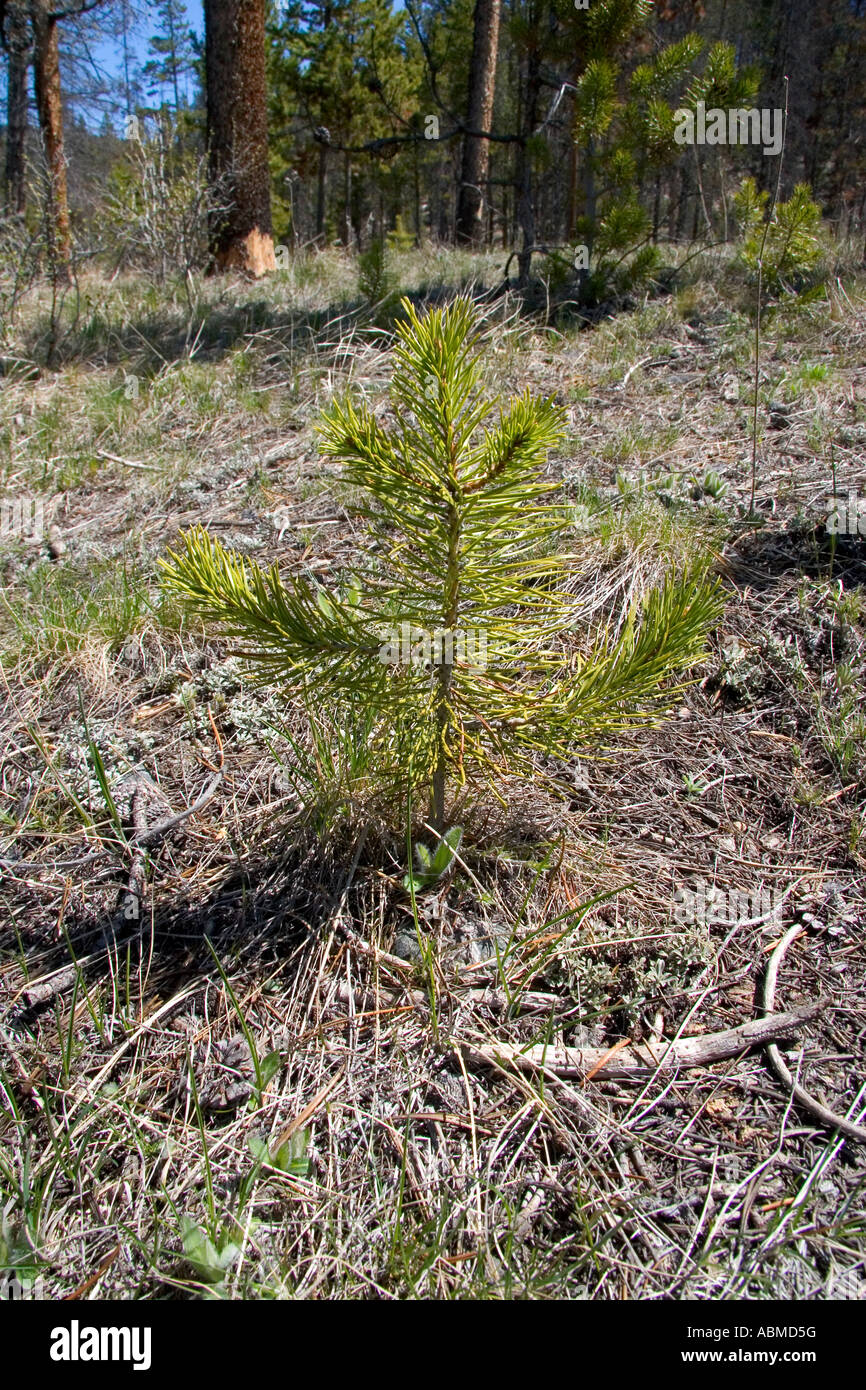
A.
x: 246, y: 1093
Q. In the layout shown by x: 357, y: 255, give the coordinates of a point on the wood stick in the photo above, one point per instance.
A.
x: 804, y: 1098
x: 637, y: 1061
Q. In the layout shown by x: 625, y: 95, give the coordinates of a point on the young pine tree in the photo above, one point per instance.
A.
x: 466, y: 547
x: 787, y: 249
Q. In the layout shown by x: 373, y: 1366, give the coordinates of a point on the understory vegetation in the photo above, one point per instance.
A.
x: 243, y: 1048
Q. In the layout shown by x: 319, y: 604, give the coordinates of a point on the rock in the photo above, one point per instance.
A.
x: 406, y: 946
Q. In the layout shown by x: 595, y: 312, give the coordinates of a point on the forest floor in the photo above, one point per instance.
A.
x: 255, y: 1091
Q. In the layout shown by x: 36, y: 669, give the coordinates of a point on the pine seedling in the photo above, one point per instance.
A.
x: 455, y: 642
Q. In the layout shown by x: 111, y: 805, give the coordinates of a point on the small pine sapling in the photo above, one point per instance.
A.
x: 455, y: 636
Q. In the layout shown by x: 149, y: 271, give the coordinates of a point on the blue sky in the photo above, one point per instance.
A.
x: 195, y: 20
x: 109, y: 55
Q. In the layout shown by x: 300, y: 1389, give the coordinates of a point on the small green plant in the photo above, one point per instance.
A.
x: 376, y: 280
x: 693, y: 785
x: 711, y: 485
x: 61, y: 609
x: 808, y: 374
x: 787, y: 247
x: 399, y: 238
x: 464, y: 536
x: 433, y: 865
x: 842, y: 729
x: 289, y: 1157
x: 211, y: 1259
x: 847, y: 608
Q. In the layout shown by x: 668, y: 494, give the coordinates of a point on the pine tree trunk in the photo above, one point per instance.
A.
x: 524, y: 195
x: 46, y: 84
x: 476, y: 151
x: 18, y: 41
x: 125, y: 23
x: 321, y: 194
x: 416, y: 191
x: 347, y: 201
x: 237, y: 135
x: 445, y: 670
x: 172, y: 39
x: 573, y: 185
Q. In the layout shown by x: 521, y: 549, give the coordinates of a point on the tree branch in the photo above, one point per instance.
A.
x: 637, y: 1061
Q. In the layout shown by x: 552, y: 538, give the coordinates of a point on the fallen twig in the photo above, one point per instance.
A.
x: 807, y: 1102
x: 155, y: 832
x: 638, y: 1060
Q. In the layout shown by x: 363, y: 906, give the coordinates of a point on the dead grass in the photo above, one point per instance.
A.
x: 246, y: 1093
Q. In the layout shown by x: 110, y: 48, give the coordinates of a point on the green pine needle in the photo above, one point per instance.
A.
x: 466, y: 525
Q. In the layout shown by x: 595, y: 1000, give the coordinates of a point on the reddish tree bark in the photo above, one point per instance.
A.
x: 46, y: 86
x: 476, y: 150
x: 237, y: 134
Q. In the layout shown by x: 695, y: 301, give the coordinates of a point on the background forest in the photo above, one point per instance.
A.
x: 375, y: 115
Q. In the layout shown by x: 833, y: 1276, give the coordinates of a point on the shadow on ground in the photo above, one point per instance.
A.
x: 210, y: 332
x: 262, y: 915
x: 761, y: 558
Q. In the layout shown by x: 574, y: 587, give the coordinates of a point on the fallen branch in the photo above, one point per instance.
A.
x: 636, y: 1061
x: 155, y: 832
x: 806, y: 1101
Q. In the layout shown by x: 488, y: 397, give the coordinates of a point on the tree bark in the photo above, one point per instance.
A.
x: 237, y: 135
x: 46, y: 85
x: 476, y: 151
x: 523, y: 190
x: 321, y: 194
x: 17, y: 40
x: 347, y: 199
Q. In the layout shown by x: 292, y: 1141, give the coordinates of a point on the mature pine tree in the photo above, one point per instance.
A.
x: 16, y: 39
x: 171, y: 50
x: 342, y: 78
x: 476, y: 150
x: 237, y: 134
x: 44, y: 17
x: 46, y: 84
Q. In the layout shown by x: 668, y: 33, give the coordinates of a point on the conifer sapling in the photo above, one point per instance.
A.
x: 465, y: 538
